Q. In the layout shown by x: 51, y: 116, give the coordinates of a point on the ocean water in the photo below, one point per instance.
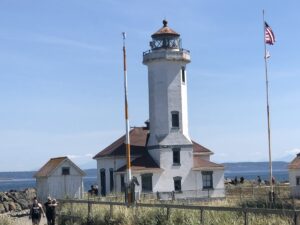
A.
x: 280, y: 176
x: 248, y: 170
x: 23, y: 183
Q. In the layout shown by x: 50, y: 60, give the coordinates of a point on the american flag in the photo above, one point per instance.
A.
x: 269, y: 35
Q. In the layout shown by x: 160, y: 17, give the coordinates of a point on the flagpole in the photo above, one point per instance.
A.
x: 268, y: 113
x: 127, y: 140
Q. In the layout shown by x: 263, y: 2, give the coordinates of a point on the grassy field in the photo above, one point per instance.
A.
x: 237, y: 196
x: 154, y: 216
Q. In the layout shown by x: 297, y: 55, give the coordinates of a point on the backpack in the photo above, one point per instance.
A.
x: 36, y: 211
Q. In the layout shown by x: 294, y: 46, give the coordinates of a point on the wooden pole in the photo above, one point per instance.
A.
x: 127, y: 140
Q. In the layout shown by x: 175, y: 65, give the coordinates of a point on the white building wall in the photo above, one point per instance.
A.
x: 107, y: 163
x: 292, y: 177
x: 42, y: 188
x: 61, y: 186
x: 165, y: 182
x: 295, y: 189
x: 166, y: 94
x: 218, y: 184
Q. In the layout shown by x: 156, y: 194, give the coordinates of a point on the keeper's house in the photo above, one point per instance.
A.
x: 59, y: 178
x: 294, y: 176
x: 164, y: 158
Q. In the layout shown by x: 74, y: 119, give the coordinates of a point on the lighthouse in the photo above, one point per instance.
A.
x: 167, y: 85
x: 164, y: 158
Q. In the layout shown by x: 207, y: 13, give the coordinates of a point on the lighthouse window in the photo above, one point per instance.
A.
x: 176, y: 156
x: 175, y: 119
x: 183, y: 74
x: 177, y: 183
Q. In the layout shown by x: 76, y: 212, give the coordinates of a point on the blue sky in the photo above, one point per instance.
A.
x: 61, y: 83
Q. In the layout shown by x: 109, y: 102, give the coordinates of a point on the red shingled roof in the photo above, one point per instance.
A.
x: 138, y: 143
x: 145, y: 162
x: 295, y: 164
x: 52, y: 164
x: 197, y: 148
x: 49, y: 166
x: 200, y: 164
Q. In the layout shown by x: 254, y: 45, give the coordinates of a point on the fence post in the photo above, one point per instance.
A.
x: 72, y: 213
x: 201, y: 217
x: 111, y: 211
x: 296, y: 218
x: 168, y: 213
x: 89, y: 212
x: 240, y: 193
x: 245, y: 217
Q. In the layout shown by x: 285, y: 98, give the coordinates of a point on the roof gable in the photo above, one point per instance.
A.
x: 145, y: 162
x: 138, y: 142
x: 49, y: 168
x: 295, y: 164
x: 200, y: 164
x: 138, y: 145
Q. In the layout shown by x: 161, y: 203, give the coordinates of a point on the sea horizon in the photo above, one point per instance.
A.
x: 20, y: 180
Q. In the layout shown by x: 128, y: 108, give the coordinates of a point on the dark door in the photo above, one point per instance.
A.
x: 103, y: 182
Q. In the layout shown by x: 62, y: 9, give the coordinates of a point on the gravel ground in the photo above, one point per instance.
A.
x: 26, y: 221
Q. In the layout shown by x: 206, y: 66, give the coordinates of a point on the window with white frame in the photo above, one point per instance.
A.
x: 176, y: 156
x: 183, y: 74
x: 207, y: 179
x: 177, y: 183
x: 175, y: 119
x: 65, y: 170
x: 147, y: 182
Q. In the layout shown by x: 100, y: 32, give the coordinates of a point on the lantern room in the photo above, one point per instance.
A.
x: 165, y: 38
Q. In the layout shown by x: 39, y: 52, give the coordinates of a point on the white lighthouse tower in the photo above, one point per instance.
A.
x: 167, y: 82
x: 169, y: 142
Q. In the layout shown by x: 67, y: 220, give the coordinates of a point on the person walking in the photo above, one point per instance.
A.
x: 36, y: 212
x: 50, y: 207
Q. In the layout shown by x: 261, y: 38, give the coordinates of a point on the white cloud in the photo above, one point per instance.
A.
x: 48, y: 39
x: 88, y: 155
x: 292, y: 152
x: 288, y: 155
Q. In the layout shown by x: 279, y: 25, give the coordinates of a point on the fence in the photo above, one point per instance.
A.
x: 257, y: 192
x: 241, y: 192
x: 292, y: 215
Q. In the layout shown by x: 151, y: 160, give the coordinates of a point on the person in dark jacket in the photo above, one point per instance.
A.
x: 36, y: 212
x: 50, y: 207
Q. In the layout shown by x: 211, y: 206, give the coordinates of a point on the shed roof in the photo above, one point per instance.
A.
x: 295, y: 164
x: 52, y: 164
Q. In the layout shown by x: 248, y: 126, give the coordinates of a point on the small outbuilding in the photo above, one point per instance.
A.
x: 294, y: 176
x: 59, y: 178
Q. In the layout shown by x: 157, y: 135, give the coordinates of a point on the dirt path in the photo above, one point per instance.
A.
x: 26, y: 221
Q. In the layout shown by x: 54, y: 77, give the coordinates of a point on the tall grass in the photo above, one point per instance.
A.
x: 5, y: 220
x: 158, y: 216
